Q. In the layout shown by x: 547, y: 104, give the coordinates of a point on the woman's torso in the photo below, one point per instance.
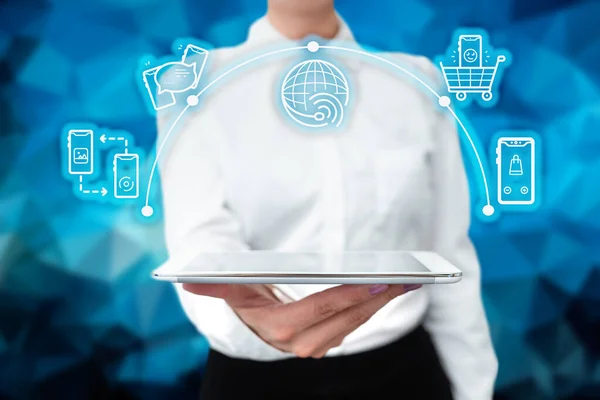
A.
x: 364, y: 186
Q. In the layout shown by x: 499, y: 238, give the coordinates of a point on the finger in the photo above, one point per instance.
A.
x: 212, y: 290
x: 335, y: 342
x: 315, y: 339
x: 317, y: 307
x: 279, y: 325
x: 251, y: 296
x: 236, y: 295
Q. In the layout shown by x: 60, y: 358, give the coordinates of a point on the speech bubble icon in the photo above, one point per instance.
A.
x: 175, y: 77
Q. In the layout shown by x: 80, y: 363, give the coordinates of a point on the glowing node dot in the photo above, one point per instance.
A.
x: 444, y: 102
x: 488, y: 210
x: 147, y: 211
x: 313, y: 46
x: 192, y: 100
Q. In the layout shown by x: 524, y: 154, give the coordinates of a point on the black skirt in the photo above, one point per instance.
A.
x: 408, y: 368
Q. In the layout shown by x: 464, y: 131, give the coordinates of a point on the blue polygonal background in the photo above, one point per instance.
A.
x: 79, y: 316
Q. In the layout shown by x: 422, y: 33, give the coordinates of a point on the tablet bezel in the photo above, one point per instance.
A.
x: 442, y: 271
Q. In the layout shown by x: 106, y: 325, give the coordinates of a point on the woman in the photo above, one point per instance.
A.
x: 240, y: 176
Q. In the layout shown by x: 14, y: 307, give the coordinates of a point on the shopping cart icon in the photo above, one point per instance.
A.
x: 465, y: 80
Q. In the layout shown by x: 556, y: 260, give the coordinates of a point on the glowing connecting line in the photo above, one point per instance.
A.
x: 313, y: 46
x: 192, y: 100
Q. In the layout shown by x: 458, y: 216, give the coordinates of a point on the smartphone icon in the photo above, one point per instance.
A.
x: 470, y: 50
x: 159, y: 101
x: 126, y: 175
x: 516, y: 170
x: 194, y: 51
x: 80, y: 144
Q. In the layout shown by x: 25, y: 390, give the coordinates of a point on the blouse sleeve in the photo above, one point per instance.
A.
x: 456, y: 318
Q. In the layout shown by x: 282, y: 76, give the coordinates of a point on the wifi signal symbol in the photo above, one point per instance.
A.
x: 327, y: 108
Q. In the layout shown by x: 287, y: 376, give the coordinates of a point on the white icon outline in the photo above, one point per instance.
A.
x: 120, y: 183
x: 101, y: 191
x: 329, y: 109
x: 71, y: 159
x: 150, y: 77
x: 463, y: 80
x: 520, y: 141
x: 125, y: 182
x: 487, y: 210
x: 469, y: 54
x: 516, y: 166
x: 84, y: 158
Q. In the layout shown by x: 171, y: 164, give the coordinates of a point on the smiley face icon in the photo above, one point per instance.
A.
x: 470, y: 55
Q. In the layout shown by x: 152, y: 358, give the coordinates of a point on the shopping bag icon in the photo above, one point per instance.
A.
x: 516, y: 166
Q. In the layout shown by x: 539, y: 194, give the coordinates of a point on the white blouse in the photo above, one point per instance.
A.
x: 238, y: 174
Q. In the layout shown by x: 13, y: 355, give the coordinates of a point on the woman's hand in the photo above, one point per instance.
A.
x: 308, y: 327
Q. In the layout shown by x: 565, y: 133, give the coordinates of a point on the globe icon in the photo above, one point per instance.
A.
x: 315, y: 93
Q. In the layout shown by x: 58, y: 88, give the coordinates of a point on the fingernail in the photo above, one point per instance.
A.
x: 376, y: 289
x: 411, y: 287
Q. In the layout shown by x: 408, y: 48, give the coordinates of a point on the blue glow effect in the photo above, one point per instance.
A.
x: 78, y: 304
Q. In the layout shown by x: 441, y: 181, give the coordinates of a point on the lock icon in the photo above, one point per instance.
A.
x: 516, y: 166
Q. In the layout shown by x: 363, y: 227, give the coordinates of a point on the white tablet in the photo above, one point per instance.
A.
x: 275, y: 267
